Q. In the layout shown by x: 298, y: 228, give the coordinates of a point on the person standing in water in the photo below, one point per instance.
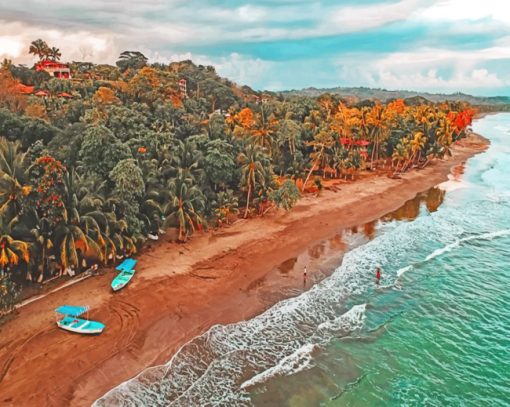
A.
x: 377, y: 275
x: 304, y: 273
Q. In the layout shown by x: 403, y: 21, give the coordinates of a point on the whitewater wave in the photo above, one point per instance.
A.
x: 213, y: 367
x: 348, y: 322
x: 457, y: 243
x: 451, y: 246
x: 401, y: 271
x: 220, y: 366
x: 298, y: 361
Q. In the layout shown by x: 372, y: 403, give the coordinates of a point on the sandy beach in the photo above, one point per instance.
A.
x: 180, y: 290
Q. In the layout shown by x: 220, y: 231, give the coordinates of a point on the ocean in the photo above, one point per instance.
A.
x: 434, y: 332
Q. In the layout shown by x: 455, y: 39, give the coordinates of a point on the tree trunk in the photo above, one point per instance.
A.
x: 247, y: 200
x: 44, y: 261
x: 372, y: 158
x: 311, y: 169
x: 307, y: 177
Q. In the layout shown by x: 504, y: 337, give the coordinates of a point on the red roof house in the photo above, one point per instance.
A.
x: 54, y: 68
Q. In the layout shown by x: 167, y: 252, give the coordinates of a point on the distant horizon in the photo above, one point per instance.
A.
x: 316, y: 87
x: 342, y: 86
x: 436, y: 46
x: 424, y: 92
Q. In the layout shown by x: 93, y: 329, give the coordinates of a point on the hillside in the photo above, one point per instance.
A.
x: 362, y: 93
x: 96, y: 159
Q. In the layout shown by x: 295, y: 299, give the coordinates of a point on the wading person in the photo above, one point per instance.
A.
x: 377, y: 275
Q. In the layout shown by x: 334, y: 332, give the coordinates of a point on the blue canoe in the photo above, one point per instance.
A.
x: 122, y: 279
x: 126, y: 265
x: 72, y: 323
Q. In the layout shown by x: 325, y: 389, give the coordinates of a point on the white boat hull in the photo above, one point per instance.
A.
x: 81, y: 326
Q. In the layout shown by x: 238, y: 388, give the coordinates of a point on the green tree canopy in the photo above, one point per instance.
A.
x: 101, y: 150
x: 131, y: 60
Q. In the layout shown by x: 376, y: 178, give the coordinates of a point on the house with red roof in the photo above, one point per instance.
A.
x: 54, y: 68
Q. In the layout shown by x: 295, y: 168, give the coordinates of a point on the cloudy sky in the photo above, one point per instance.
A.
x: 433, y: 45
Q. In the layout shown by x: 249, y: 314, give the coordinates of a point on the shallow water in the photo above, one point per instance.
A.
x: 435, y: 332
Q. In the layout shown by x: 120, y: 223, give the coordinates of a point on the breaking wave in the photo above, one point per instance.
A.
x: 224, y: 364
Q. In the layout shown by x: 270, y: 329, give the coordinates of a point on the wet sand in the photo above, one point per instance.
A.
x: 180, y: 291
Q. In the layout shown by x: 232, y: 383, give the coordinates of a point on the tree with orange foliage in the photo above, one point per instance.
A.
x: 105, y: 96
x: 377, y: 122
x: 461, y: 120
x: 10, y: 96
x: 246, y: 119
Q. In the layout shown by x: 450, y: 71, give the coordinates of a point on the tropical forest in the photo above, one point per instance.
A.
x: 95, y: 163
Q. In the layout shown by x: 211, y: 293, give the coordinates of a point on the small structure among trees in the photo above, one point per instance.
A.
x: 48, y: 60
x: 183, y: 88
x: 55, y: 69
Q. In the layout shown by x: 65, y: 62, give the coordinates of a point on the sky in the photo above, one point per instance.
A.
x: 426, y: 45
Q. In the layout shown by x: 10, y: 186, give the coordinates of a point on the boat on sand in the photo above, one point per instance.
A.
x: 72, y: 323
x: 126, y: 274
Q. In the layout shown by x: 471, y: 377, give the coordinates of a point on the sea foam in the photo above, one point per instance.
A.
x: 296, y: 362
x: 220, y: 366
x: 457, y: 243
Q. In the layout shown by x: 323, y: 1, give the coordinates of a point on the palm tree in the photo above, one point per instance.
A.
x: 400, y: 154
x: 322, y: 141
x: 378, y: 131
x: 224, y: 204
x: 252, y: 171
x: 11, y: 250
x: 188, y: 158
x: 123, y: 242
x: 78, y: 229
x: 445, y: 135
x: 54, y: 54
x: 39, y: 48
x: 185, y: 206
x: 39, y: 235
x: 288, y: 133
x: 414, y: 148
x: 69, y: 237
x: 417, y: 145
x: 151, y: 212
x: 13, y: 176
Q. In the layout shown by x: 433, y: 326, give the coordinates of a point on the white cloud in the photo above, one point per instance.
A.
x: 358, y: 18
x: 74, y: 45
x: 421, y: 70
x: 98, y: 30
x: 10, y: 47
x: 179, y: 22
x: 431, y: 80
x: 242, y: 69
x: 467, y: 10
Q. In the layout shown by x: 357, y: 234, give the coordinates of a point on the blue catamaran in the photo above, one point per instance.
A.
x: 127, y: 271
x: 72, y: 323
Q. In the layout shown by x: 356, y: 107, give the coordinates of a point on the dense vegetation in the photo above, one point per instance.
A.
x: 90, y: 177
x: 497, y: 103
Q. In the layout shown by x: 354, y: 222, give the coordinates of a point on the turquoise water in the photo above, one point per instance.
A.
x: 435, y: 332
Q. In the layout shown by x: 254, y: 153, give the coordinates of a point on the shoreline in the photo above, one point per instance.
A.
x: 175, y: 297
